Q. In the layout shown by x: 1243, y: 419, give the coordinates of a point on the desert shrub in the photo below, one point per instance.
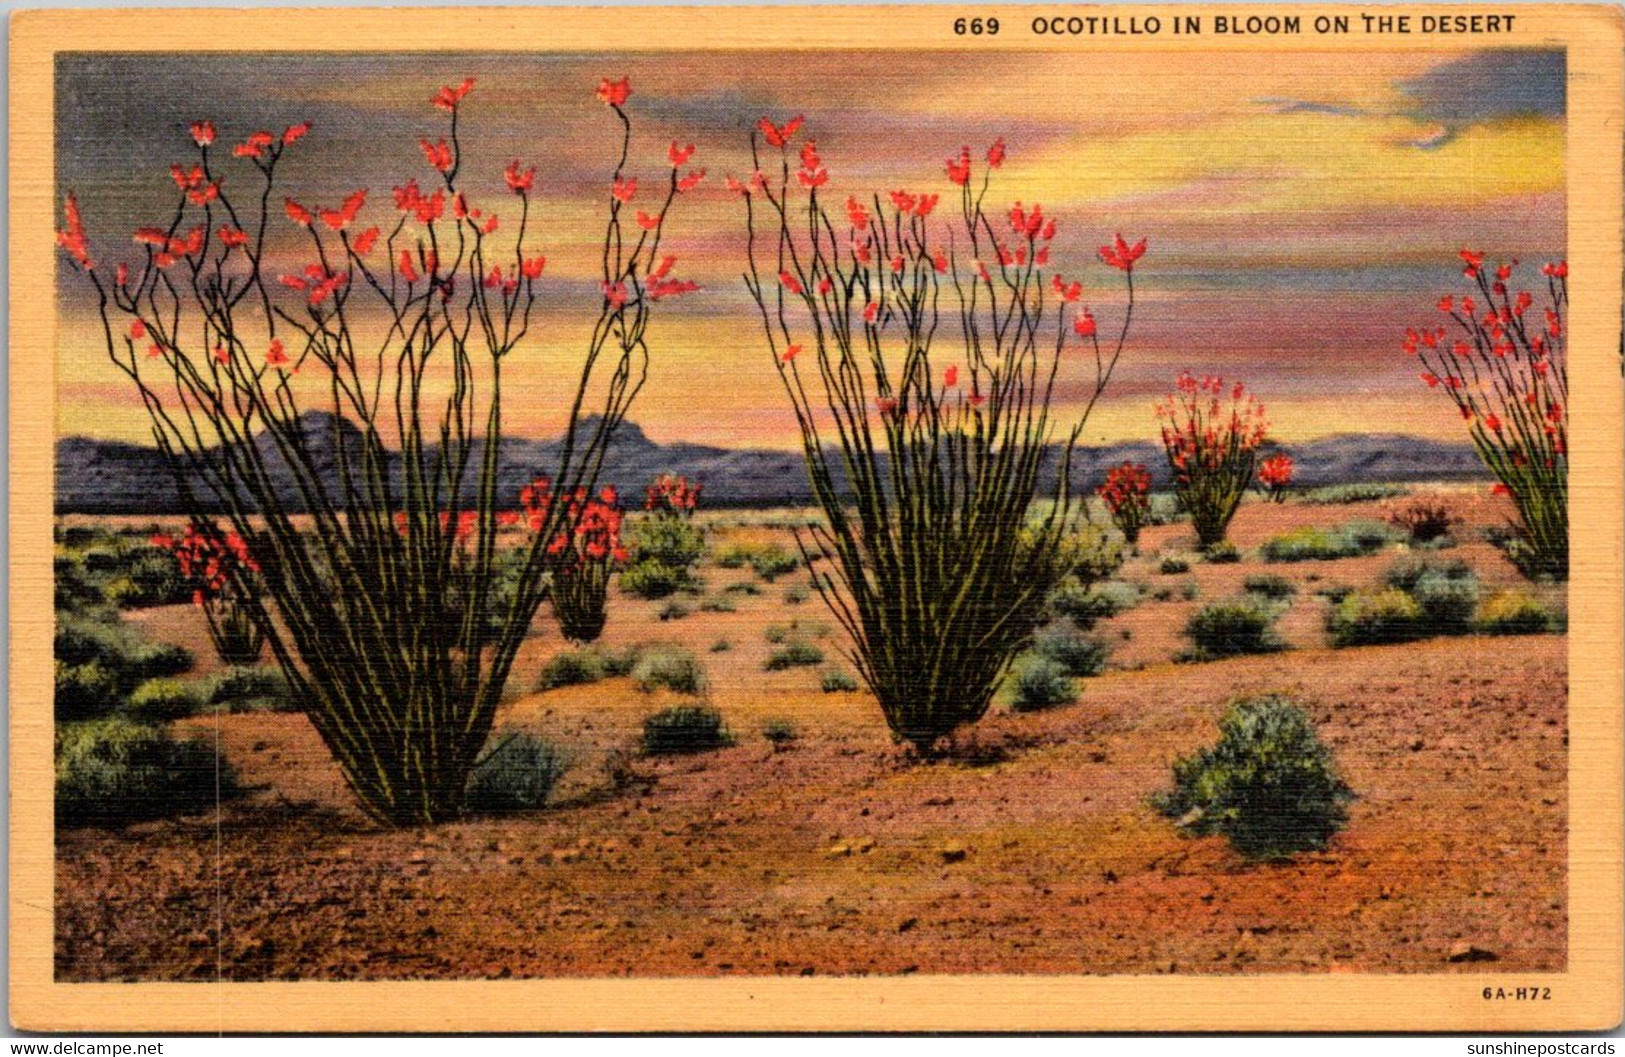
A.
x: 834, y: 680
x: 1367, y: 618
x: 1335, y: 592
x: 772, y: 561
x: 161, y: 700
x: 517, y: 774
x: 1310, y: 543
x: 1272, y: 587
x: 1037, y: 683
x: 653, y: 579
x: 1165, y: 509
x: 118, y: 649
x: 795, y: 595
x: 1232, y: 628
x: 112, y: 771
x: 674, y: 542
x: 571, y: 668
x: 1269, y: 785
x: 1188, y: 591
x: 1174, y: 566
x: 721, y: 646
x: 746, y: 588
x: 261, y: 689
x: 1094, y: 555
x: 794, y: 654
x: 1515, y: 613
x: 1423, y: 520
x: 718, y: 604
x: 1084, y: 606
x: 776, y: 633
x: 684, y: 729
x: 1340, y: 494
x: 1075, y: 653
x: 1222, y: 553
x: 1447, y: 592
x: 779, y: 732
x: 85, y: 691
x: 670, y: 667
x: 73, y: 589
x: 675, y: 610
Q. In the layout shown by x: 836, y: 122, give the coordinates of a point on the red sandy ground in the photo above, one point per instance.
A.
x: 1036, y: 854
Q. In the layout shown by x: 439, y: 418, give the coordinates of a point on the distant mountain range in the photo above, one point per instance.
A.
x: 110, y: 477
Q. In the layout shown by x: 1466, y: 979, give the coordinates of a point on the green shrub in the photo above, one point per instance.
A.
x: 719, y: 604
x: 1447, y: 592
x: 151, y: 577
x: 1222, y: 553
x: 119, y: 649
x: 1173, y: 566
x: 112, y: 771
x: 795, y: 595
x: 779, y: 732
x: 652, y: 579
x: 772, y: 561
x: 676, y: 543
x: 1275, y: 588
x: 675, y: 610
x: 1038, y: 683
x: 837, y: 681
x: 1165, y: 509
x: 260, y: 689
x: 1367, y: 618
x: 1076, y: 654
x: 1515, y: 613
x: 746, y: 588
x: 1086, y: 605
x: 721, y: 646
x: 684, y: 729
x: 1309, y: 543
x: 1232, y: 628
x: 776, y: 633
x: 1269, y: 785
x: 1094, y: 554
x: 1335, y: 592
x: 518, y: 774
x: 73, y: 590
x: 85, y: 691
x: 670, y: 667
x: 571, y: 668
x: 794, y: 654
x: 617, y: 663
x: 1189, y: 590
x: 161, y: 700
x: 1338, y: 494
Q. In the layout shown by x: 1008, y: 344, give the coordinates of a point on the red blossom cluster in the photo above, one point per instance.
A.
x: 208, y: 558
x: 1127, y: 495
x: 1275, y: 476
x: 591, y: 524
x: 1211, y: 434
x: 673, y: 494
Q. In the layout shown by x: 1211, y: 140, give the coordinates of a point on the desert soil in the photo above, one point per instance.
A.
x: 1033, y: 851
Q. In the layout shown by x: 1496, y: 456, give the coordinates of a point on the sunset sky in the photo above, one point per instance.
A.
x: 1301, y: 208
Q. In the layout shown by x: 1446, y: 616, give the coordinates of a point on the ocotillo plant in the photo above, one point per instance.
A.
x: 1127, y: 495
x: 221, y: 571
x: 584, y: 556
x: 1275, y: 477
x: 1212, y: 447
x: 374, y: 602
x: 925, y: 426
x: 1507, y: 373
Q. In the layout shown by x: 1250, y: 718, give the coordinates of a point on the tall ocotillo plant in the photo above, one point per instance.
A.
x: 925, y: 460
x: 1212, y: 447
x: 1507, y: 374
x: 375, y: 604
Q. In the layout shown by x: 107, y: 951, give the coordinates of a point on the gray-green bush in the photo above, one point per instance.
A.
x: 113, y: 771
x: 684, y: 729
x: 1232, y: 628
x: 517, y: 774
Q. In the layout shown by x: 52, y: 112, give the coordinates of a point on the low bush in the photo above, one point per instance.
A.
x: 1075, y: 653
x: 517, y: 774
x: 652, y: 579
x: 1174, y: 566
x: 1037, y: 683
x: 1515, y: 613
x: 1222, y: 553
x: 1310, y: 543
x: 794, y: 654
x: 113, y: 771
x: 674, y: 542
x: 718, y: 604
x: 1233, y: 628
x: 1084, y: 606
x: 262, y: 689
x: 1338, y: 494
x: 837, y: 681
x: 721, y: 646
x: 779, y: 732
x: 1447, y: 592
x: 119, y: 649
x: 1423, y: 520
x: 776, y: 633
x: 161, y: 700
x: 675, y: 610
x: 1366, y: 618
x: 1275, y: 588
x: 671, y: 668
x: 795, y: 595
x: 746, y: 588
x: 684, y: 729
x: 571, y: 668
x: 1269, y: 785
x: 1094, y: 554
x: 85, y: 691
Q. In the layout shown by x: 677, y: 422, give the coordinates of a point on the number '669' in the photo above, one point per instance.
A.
x: 976, y: 26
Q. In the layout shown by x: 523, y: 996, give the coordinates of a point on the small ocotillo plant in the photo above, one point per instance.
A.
x: 374, y: 602
x: 1507, y: 373
x: 1127, y: 495
x: 584, y: 556
x: 1212, y: 447
x: 1275, y: 477
x: 925, y: 425
x: 221, y: 571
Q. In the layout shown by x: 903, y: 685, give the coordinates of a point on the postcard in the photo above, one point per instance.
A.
x: 814, y: 518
